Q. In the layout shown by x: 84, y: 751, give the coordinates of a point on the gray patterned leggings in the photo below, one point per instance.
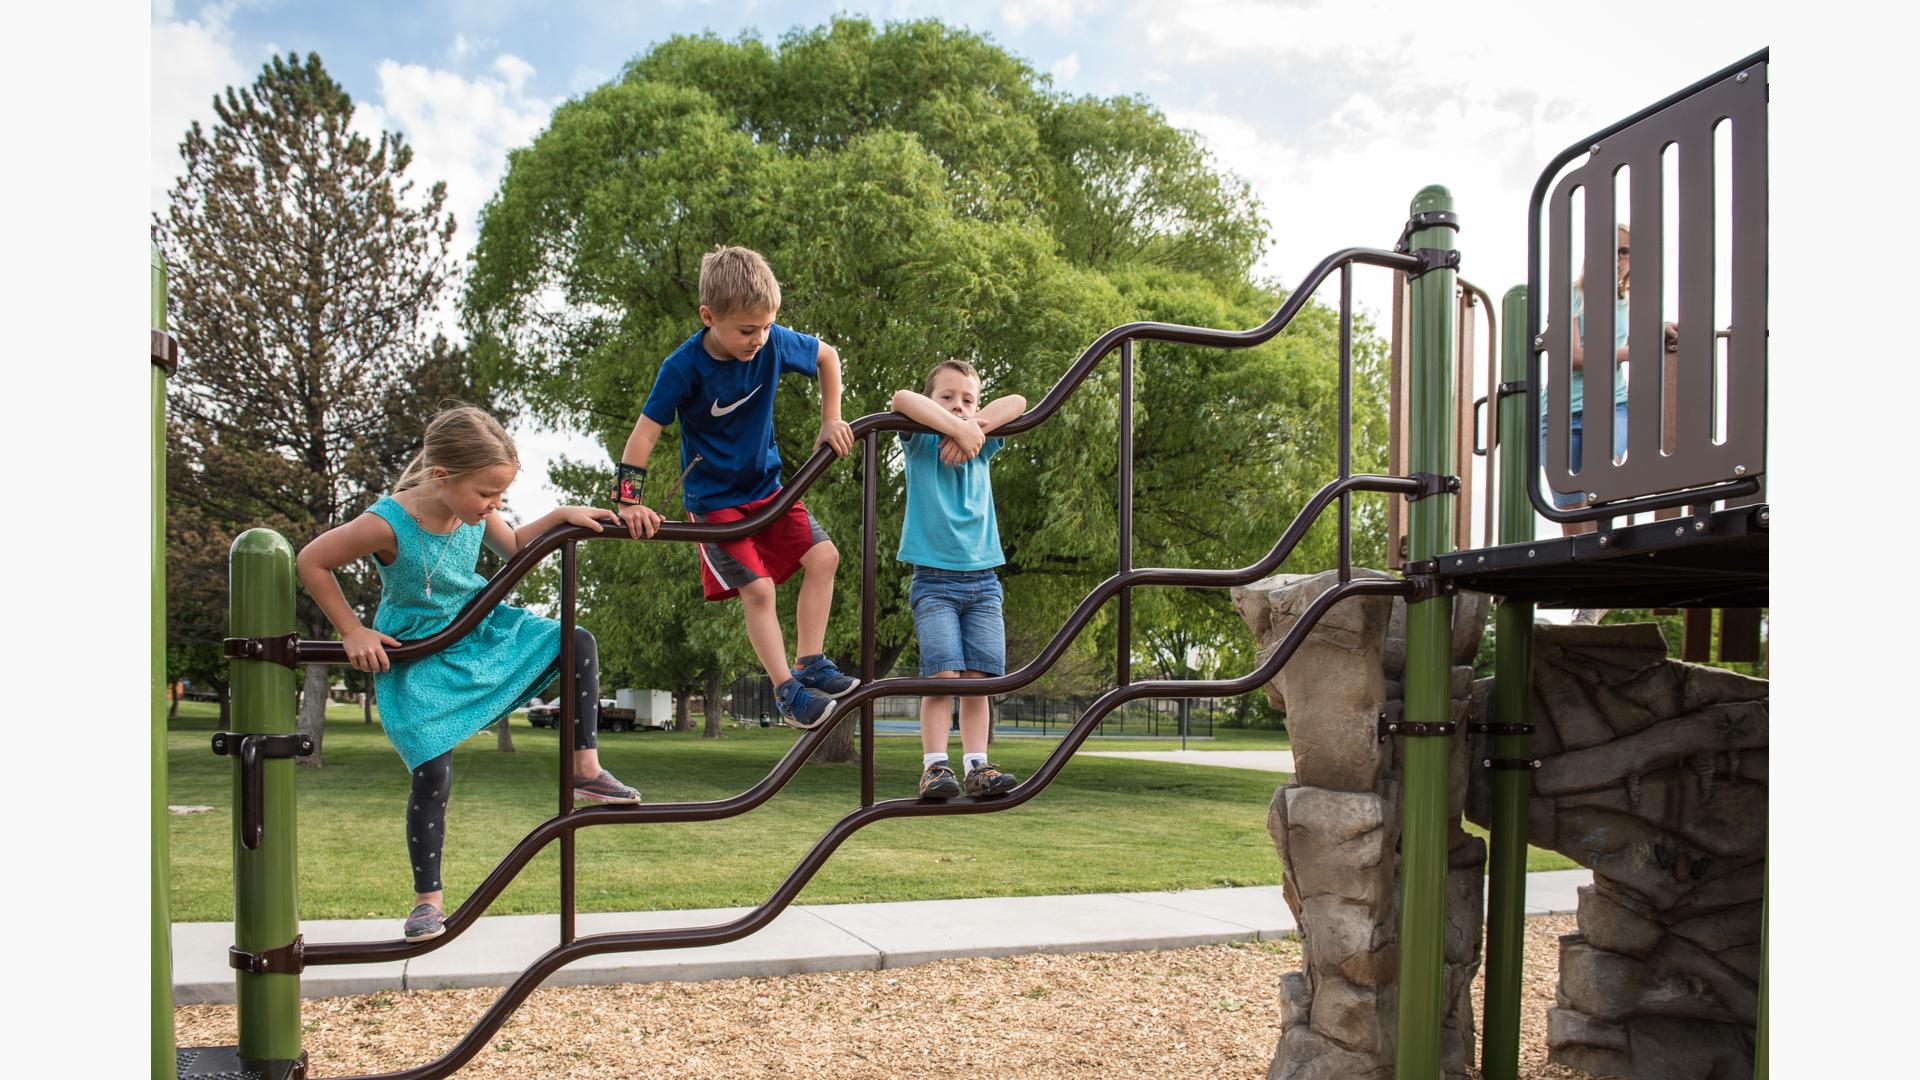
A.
x: 433, y: 781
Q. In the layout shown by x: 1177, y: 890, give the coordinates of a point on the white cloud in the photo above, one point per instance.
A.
x: 1058, y: 14
x: 460, y: 129
x: 1065, y: 68
x: 192, y: 61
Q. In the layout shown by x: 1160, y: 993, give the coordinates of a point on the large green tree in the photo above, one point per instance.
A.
x: 922, y: 194
x: 305, y: 270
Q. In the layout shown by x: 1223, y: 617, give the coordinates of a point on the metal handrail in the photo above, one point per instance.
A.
x: 569, y: 820
x: 634, y: 941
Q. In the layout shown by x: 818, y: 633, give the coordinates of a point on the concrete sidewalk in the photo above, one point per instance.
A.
x: 824, y: 937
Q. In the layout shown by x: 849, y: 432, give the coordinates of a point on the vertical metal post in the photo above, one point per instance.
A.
x: 1123, y: 669
x: 1512, y: 704
x: 1760, y: 1031
x: 260, y: 604
x: 1423, y: 774
x: 569, y: 696
x: 869, y: 509
x: 1346, y: 419
x: 160, y: 909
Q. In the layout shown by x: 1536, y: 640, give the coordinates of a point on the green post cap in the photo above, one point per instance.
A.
x: 1515, y: 295
x: 1432, y: 197
x: 260, y: 542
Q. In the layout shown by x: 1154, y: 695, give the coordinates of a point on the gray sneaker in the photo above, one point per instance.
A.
x: 425, y: 921
x: 604, y: 788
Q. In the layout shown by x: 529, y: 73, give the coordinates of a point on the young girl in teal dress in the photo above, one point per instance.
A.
x: 425, y: 539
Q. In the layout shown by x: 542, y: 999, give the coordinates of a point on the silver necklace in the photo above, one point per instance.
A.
x: 444, y: 548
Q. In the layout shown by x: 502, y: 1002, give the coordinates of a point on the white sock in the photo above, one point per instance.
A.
x: 974, y: 761
x: 938, y: 757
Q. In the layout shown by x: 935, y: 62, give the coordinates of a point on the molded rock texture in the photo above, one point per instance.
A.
x: 1337, y: 829
x: 1654, y: 774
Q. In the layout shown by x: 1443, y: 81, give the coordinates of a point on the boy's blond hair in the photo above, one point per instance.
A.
x: 460, y: 439
x: 960, y: 366
x: 734, y: 279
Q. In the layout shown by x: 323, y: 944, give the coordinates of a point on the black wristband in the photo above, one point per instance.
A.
x: 629, y: 483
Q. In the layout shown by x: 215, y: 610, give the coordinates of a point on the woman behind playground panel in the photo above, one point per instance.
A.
x: 425, y: 540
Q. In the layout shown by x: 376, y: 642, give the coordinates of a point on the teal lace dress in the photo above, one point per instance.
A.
x: 430, y: 705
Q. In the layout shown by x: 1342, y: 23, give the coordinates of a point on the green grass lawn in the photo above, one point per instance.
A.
x: 1104, y: 825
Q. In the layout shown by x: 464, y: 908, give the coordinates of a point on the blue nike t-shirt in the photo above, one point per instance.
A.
x: 725, y: 409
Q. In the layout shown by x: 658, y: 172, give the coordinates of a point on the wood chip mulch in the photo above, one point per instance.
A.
x: 1205, y: 1013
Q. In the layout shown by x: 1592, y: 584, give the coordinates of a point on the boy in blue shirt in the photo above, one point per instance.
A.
x: 720, y: 383
x: 953, y: 543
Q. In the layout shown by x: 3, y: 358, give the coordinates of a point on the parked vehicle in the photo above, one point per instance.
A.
x: 612, y: 717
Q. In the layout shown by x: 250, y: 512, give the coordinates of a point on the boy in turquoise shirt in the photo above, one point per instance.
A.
x: 953, y: 543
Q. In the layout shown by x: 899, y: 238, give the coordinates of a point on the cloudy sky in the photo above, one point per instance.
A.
x: 1336, y: 113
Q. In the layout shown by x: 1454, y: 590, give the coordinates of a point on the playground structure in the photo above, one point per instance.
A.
x: 1711, y: 463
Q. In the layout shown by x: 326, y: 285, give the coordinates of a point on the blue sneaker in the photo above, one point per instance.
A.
x: 822, y: 677
x: 801, y: 709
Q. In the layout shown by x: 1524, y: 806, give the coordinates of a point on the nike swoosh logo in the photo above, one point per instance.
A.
x: 718, y: 411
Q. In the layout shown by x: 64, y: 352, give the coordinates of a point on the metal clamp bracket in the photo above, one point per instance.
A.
x: 1508, y: 389
x: 1426, y: 219
x: 1500, y: 729
x: 1522, y: 764
x: 1428, y: 586
x: 166, y: 352
x: 1433, y: 484
x: 281, y: 648
x: 288, y: 959
x: 1428, y: 260
x: 252, y: 750
x: 1389, y: 728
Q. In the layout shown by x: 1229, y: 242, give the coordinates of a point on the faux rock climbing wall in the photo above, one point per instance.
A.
x: 1654, y: 774
x: 1337, y: 828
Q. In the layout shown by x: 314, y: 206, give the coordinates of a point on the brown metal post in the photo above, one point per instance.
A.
x: 569, y: 694
x: 1123, y: 671
x: 869, y: 504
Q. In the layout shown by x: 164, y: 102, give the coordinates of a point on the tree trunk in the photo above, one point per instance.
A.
x: 173, y: 707
x: 993, y: 716
x: 366, y: 706
x: 711, y: 730
x: 503, y: 738
x: 313, y: 713
x: 840, y: 746
x: 682, y: 715
x: 226, y: 708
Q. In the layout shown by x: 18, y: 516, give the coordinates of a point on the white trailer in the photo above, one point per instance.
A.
x: 651, y: 708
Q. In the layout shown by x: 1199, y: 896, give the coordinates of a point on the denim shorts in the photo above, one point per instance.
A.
x: 1567, y: 500
x: 957, y: 617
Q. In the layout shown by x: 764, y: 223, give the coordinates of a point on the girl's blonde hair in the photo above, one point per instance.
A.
x: 460, y: 439
x: 960, y: 366
x: 1620, y: 285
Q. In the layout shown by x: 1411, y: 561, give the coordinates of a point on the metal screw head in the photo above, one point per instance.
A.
x: 1604, y: 539
x: 1540, y: 341
x: 1766, y: 516
x: 1486, y: 763
x: 1594, y: 149
x: 1529, y: 553
x: 1739, y: 470
x: 1593, y: 498
x: 1700, y: 526
x: 1740, y: 78
x: 1679, y: 530
x: 1480, y: 559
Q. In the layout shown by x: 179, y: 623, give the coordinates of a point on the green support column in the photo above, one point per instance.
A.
x: 1512, y: 704
x: 160, y: 929
x: 1760, y: 1034
x: 1423, y: 770
x: 260, y: 590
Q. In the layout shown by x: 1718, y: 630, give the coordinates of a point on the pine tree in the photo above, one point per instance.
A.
x: 305, y: 273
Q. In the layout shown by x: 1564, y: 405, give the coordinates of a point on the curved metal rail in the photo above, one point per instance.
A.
x: 569, y: 820
x: 633, y: 941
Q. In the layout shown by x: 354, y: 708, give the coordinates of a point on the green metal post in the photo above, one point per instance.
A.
x: 1423, y: 770
x: 260, y: 589
x: 160, y: 930
x: 1760, y: 1033
x: 1512, y: 704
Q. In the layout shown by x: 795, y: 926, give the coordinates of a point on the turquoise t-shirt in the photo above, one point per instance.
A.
x: 950, y: 523
x: 1575, y: 385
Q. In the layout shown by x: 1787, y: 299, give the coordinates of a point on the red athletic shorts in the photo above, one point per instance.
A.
x: 773, y: 552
